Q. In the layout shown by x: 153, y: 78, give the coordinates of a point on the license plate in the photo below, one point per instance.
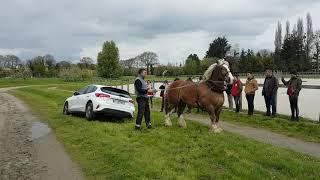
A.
x: 118, y: 101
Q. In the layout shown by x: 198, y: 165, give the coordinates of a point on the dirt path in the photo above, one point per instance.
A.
x: 262, y: 135
x: 265, y: 136
x: 28, y: 148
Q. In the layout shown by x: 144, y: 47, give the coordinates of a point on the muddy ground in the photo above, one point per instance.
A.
x: 28, y: 148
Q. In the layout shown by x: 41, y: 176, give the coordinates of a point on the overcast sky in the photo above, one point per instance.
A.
x: 171, y: 28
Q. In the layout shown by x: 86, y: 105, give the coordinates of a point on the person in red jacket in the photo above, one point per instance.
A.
x: 236, y: 91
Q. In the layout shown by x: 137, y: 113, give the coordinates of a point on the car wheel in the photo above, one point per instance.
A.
x: 89, y: 111
x: 66, y: 109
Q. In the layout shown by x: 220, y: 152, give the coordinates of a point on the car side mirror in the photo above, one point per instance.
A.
x: 76, y: 93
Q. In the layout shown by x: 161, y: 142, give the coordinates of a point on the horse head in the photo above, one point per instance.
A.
x: 220, y: 73
x: 218, y: 69
x: 225, y: 64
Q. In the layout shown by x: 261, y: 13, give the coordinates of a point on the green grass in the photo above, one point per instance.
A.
x: 111, y: 150
x: 305, y: 129
x: 30, y: 81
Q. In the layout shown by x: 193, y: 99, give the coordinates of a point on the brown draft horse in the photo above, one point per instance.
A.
x: 207, y: 94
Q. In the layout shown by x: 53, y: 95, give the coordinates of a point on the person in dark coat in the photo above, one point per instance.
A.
x: 141, y: 90
x: 294, y: 87
x: 228, y: 92
x: 269, y: 91
x: 162, y: 90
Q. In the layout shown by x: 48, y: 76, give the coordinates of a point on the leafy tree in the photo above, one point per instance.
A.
x: 37, y: 66
x: 108, y: 60
x: 309, y: 36
x: 316, y: 51
x: 192, y: 65
x: 278, y: 37
x: 293, y: 54
x: 218, y: 48
x: 206, y: 62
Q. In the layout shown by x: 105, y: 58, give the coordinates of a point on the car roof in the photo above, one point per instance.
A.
x: 100, y: 86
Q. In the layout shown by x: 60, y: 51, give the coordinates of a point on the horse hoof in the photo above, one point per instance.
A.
x: 167, y: 123
x: 215, y: 129
x: 218, y: 130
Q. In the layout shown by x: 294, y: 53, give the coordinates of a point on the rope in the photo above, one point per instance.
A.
x: 190, y: 85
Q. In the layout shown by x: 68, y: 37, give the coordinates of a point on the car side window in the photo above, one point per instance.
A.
x: 91, y: 89
x: 83, y: 90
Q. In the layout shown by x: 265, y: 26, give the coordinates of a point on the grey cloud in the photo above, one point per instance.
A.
x: 63, y: 28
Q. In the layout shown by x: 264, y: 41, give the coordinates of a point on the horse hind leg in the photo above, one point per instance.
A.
x: 181, y: 121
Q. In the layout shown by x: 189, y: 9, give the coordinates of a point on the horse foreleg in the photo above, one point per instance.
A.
x: 181, y: 121
x: 217, y: 113
x: 213, y: 125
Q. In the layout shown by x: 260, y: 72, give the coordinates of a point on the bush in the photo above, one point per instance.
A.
x: 72, y: 74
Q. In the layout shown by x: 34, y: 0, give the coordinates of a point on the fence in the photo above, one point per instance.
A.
x: 278, y: 74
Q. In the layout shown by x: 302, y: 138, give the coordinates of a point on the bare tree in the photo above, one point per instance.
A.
x: 86, y: 62
x: 316, y: 50
x: 309, y: 37
x: 11, y: 61
x: 129, y: 63
x: 149, y: 59
x: 278, y: 37
x: 49, y: 61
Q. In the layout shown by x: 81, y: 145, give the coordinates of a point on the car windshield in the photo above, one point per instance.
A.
x: 115, y: 91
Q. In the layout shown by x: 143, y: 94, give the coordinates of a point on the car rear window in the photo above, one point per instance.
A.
x: 115, y: 91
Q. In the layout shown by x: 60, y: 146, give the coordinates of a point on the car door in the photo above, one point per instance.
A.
x: 85, y: 97
x: 78, y: 99
x: 71, y: 103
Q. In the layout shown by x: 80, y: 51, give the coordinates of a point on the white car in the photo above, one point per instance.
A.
x: 94, y: 99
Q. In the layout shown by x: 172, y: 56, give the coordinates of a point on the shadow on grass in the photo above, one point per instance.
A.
x: 105, y: 118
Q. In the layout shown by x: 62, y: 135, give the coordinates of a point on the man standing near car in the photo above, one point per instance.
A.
x: 141, y: 90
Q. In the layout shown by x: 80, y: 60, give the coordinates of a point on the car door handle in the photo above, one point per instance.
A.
x: 87, y: 96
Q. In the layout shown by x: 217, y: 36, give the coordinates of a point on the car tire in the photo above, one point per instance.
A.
x: 89, y: 112
x: 66, y: 109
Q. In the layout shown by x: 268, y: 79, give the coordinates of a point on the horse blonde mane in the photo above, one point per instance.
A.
x: 207, y: 74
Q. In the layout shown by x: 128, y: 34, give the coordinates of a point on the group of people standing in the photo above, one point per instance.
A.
x: 269, y: 92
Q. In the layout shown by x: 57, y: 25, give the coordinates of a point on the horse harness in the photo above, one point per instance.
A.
x: 213, y: 86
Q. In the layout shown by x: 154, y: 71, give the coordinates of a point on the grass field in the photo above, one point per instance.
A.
x: 10, y: 82
x: 113, y: 150
x: 29, y: 81
x: 305, y: 129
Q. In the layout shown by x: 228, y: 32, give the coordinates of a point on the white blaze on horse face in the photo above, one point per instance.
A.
x: 229, y: 73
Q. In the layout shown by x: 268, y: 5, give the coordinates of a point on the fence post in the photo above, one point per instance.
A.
x: 128, y: 88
